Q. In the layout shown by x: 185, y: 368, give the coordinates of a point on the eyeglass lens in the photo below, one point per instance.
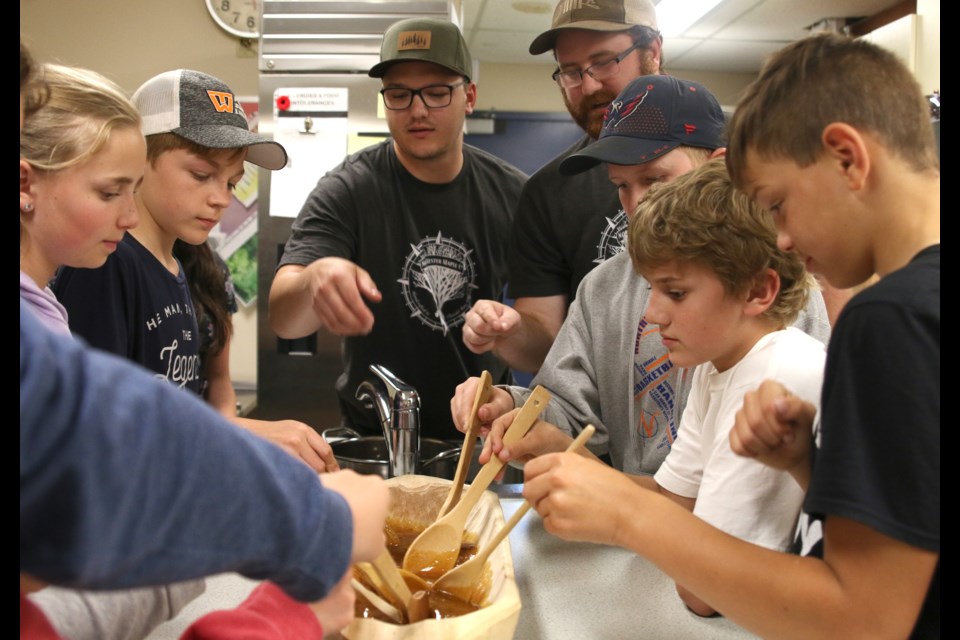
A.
x: 434, y: 96
x: 599, y: 71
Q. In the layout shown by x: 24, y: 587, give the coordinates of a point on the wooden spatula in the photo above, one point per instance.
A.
x: 469, y: 442
x: 465, y: 581
x: 435, y: 550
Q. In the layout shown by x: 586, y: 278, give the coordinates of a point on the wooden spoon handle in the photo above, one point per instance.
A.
x: 419, y: 607
x: 469, y: 442
x: 504, y: 531
x: 390, y: 574
x: 521, y: 424
x: 374, y: 599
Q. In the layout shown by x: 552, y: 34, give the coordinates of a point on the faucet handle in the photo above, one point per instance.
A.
x: 401, y: 394
x: 393, y: 383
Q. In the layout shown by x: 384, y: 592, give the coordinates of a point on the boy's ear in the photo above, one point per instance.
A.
x: 845, y: 146
x: 717, y: 153
x: 762, y: 293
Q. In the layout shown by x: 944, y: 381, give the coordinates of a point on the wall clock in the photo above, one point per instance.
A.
x: 240, y: 18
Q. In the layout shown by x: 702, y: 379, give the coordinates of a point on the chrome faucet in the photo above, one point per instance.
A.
x: 398, y: 406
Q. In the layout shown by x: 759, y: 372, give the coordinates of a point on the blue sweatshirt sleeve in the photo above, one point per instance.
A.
x: 127, y: 481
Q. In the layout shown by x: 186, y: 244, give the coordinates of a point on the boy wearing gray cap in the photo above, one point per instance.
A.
x: 393, y: 246
x: 138, y: 305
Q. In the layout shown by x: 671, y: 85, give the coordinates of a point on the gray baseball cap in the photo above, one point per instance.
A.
x: 203, y: 110
x: 595, y: 15
x: 426, y: 40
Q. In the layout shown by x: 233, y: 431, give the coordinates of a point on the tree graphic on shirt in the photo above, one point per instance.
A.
x: 442, y: 283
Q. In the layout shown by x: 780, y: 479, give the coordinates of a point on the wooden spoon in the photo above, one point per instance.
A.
x: 381, y: 589
x: 396, y: 589
x: 469, y: 441
x: 435, y: 550
x: 419, y: 606
x: 414, y: 582
x: 465, y: 581
x: 373, y: 598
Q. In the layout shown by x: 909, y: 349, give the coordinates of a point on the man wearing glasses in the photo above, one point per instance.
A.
x: 393, y: 246
x: 567, y: 225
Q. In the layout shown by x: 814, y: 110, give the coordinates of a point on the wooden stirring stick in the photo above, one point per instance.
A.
x: 380, y: 588
x: 464, y: 581
x: 435, y: 550
x: 393, y: 581
x: 419, y: 606
x: 377, y: 601
x: 469, y: 442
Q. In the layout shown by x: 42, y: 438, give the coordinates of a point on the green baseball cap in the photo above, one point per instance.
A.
x: 425, y: 40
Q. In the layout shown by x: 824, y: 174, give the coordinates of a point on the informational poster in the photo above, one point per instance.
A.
x: 311, y: 124
x: 235, y: 238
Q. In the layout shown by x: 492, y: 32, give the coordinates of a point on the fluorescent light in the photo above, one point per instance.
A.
x: 674, y: 17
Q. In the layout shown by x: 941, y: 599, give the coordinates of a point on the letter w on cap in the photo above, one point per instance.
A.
x: 222, y: 101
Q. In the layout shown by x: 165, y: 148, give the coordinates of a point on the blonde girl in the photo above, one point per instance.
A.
x: 82, y: 157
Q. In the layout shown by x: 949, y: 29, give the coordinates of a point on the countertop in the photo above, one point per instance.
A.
x: 567, y: 590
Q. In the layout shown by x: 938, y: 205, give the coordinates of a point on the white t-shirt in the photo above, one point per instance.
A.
x: 741, y: 496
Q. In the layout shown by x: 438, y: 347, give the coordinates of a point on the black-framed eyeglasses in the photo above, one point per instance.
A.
x: 599, y: 71
x: 434, y: 96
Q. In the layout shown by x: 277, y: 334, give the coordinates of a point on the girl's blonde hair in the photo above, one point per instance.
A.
x: 82, y: 109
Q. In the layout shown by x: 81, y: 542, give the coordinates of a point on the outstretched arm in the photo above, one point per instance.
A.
x: 105, y: 453
x: 868, y: 585
x: 330, y: 292
x: 520, y: 335
x: 298, y: 439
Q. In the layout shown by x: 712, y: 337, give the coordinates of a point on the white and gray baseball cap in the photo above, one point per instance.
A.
x: 203, y: 110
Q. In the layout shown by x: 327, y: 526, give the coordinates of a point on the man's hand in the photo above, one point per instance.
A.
x: 461, y: 404
x: 487, y: 322
x: 775, y: 427
x: 338, y: 288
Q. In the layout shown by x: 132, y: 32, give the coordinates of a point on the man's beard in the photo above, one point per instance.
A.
x: 584, y: 115
x: 590, y: 119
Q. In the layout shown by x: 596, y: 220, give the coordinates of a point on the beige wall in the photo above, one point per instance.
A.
x: 130, y: 41
x: 928, y: 53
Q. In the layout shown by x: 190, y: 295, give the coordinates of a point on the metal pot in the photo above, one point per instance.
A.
x: 368, y: 454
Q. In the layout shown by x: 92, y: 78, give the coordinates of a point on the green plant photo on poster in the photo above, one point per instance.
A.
x: 243, y: 269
